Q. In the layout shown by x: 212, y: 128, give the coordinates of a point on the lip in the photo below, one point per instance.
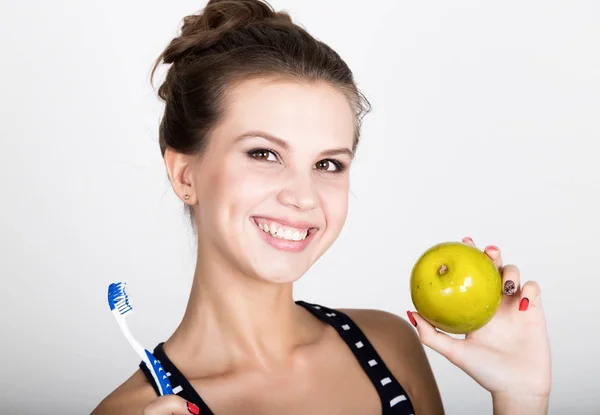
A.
x: 282, y: 244
x: 285, y: 222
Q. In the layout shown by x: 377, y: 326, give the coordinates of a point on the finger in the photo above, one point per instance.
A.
x: 468, y: 241
x: 495, y: 255
x: 511, y: 279
x: 442, y: 343
x: 170, y: 405
x: 531, y: 296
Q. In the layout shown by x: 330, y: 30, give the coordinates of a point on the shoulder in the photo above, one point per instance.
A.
x: 398, y: 344
x: 395, y: 339
x: 129, y: 398
x: 385, y: 328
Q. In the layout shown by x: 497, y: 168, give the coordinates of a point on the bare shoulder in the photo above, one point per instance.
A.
x: 385, y: 328
x: 129, y: 398
x: 398, y: 344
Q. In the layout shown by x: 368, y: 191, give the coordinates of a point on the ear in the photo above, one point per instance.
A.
x: 179, y: 168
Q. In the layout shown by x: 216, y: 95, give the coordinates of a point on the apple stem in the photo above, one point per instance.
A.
x: 443, y: 269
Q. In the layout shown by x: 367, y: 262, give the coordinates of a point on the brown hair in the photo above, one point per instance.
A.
x: 230, y: 41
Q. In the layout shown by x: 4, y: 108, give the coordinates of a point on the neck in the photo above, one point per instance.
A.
x: 234, y: 320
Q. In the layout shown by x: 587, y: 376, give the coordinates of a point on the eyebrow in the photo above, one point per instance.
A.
x: 283, y: 144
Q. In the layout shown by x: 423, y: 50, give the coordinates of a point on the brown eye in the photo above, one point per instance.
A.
x: 324, y: 165
x: 263, y: 154
x: 331, y: 166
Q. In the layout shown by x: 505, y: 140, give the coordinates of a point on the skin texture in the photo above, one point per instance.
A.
x: 242, y: 335
x: 311, y: 382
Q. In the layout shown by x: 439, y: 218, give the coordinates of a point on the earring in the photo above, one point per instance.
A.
x: 186, y: 197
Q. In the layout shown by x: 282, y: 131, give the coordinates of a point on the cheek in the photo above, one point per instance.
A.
x: 221, y: 190
x: 243, y: 188
x: 334, y: 201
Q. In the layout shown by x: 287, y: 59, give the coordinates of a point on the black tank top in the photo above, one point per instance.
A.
x: 394, y: 399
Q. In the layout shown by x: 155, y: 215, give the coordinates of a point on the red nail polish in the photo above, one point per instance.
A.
x: 411, y: 318
x: 491, y: 248
x: 193, y: 409
x: 524, y: 304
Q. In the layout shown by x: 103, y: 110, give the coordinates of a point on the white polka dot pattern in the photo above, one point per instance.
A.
x: 394, y: 400
x: 393, y: 396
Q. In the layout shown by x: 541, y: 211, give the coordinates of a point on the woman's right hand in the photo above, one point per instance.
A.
x: 170, y: 405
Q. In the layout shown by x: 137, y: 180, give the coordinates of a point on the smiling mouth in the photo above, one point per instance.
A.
x: 281, y: 231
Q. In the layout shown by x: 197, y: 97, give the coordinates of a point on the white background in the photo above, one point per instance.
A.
x: 484, y: 124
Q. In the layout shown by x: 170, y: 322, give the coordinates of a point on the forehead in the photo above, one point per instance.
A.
x: 310, y: 115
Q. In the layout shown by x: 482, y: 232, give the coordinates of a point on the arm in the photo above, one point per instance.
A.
x: 516, y: 405
x: 401, y: 349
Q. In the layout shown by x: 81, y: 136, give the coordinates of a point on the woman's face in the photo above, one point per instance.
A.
x: 272, y: 185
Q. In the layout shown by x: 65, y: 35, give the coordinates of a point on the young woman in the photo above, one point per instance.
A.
x: 260, y: 127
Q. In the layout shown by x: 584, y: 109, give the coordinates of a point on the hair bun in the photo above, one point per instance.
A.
x: 203, y: 30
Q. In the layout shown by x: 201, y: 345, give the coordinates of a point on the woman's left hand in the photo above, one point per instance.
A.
x: 509, y: 356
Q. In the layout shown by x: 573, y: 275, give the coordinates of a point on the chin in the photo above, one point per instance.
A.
x: 284, y: 273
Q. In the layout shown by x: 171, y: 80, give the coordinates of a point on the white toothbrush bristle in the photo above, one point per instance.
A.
x: 119, y: 298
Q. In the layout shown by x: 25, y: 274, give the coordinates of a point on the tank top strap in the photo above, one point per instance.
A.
x: 394, y: 398
x: 181, y: 386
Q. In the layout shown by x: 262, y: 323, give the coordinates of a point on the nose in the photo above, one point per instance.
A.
x: 299, y: 193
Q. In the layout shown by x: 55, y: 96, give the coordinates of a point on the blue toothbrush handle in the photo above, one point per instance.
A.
x: 164, y: 386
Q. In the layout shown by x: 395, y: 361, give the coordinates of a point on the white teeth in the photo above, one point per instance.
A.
x: 283, y: 232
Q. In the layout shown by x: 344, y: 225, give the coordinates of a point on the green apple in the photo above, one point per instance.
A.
x: 456, y: 287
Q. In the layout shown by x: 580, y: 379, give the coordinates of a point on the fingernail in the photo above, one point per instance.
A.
x: 491, y: 248
x: 509, y: 287
x: 467, y: 240
x: 411, y: 318
x: 193, y: 409
x: 524, y: 304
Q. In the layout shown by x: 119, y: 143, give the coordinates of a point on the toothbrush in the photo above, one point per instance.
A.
x: 118, y: 301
